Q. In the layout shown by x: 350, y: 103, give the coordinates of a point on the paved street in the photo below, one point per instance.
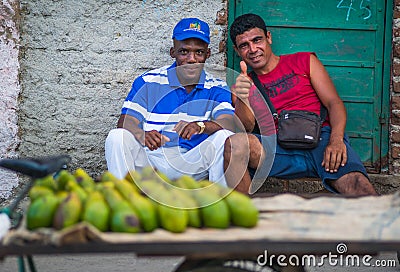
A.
x: 128, y: 262
x: 123, y: 262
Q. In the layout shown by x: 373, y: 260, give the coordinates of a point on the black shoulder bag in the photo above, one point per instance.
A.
x: 297, y: 129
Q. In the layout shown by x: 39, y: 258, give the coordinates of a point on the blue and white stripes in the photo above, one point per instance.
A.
x: 159, y: 102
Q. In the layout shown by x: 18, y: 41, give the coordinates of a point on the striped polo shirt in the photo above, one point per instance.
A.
x: 159, y: 102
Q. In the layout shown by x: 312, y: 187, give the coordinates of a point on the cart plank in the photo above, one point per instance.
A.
x: 289, y: 223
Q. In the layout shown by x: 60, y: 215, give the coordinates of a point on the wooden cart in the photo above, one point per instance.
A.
x: 290, y: 227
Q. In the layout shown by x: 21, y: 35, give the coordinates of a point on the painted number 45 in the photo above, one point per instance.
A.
x: 350, y: 6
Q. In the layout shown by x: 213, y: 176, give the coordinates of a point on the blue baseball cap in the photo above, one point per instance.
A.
x: 191, y: 28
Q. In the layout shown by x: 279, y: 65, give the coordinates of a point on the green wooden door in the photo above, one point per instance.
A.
x: 349, y: 39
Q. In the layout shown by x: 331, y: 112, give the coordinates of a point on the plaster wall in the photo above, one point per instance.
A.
x: 79, y: 59
x: 9, y: 91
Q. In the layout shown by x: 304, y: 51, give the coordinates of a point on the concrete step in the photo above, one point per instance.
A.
x: 384, y: 184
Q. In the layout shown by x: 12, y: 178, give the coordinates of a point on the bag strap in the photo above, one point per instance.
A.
x: 261, y: 88
x: 324, y: 113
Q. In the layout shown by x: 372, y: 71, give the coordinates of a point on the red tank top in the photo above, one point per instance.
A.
x: 288, y: 86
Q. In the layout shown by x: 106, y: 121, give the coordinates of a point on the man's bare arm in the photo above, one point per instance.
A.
x: 335, y: 153
x: 131, y: 124
x: 187, y: 129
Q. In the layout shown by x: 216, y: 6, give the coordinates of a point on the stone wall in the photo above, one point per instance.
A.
x: 395, y: 95
x: 9, y: 90
x: 79, y: 60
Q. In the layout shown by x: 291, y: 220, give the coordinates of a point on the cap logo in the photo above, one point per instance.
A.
x: 195, y: 26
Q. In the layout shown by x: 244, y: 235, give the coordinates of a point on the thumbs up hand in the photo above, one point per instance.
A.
x: 243, y: 83
x: 243, y: 68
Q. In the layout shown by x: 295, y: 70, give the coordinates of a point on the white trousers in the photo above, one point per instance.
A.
x: 123, y: 153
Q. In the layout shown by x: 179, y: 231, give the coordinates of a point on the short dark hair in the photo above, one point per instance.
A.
x: 244, y: 23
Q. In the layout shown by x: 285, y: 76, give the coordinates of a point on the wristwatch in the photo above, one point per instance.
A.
x: 202, y: 126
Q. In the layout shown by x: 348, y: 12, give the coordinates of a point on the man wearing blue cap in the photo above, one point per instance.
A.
x: 175, y: 118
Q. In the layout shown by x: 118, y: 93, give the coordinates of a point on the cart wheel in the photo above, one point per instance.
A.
x: 219, y: 265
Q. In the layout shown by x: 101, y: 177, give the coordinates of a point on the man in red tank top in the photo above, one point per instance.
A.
x: 293, y: 82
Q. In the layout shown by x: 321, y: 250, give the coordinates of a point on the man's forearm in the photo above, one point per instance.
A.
x: 337, y: 119
x: 245, y: 116
x: 223, y: 122
x: 132, y: 125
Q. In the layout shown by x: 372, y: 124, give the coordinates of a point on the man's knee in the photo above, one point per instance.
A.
x: 220, y: 136
x: 116, y: 134
x: 119, y: 137
x: 236, y: 145
x: 354, y: 183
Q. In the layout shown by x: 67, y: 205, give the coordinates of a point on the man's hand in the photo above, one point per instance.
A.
x: 243, y: 83
x: 335, y: 155
x: 186, y: 130
x: 240, y: 96
x: 154, y: 139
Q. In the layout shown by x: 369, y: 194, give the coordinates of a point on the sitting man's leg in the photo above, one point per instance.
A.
x: 353, y: 184
x: 123, y: 152
x: 205, y: 159
x: 241, y: 151
x: 350, y: 179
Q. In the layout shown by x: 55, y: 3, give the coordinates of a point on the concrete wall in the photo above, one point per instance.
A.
x: 78, y: 61
x: 9, y: 91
